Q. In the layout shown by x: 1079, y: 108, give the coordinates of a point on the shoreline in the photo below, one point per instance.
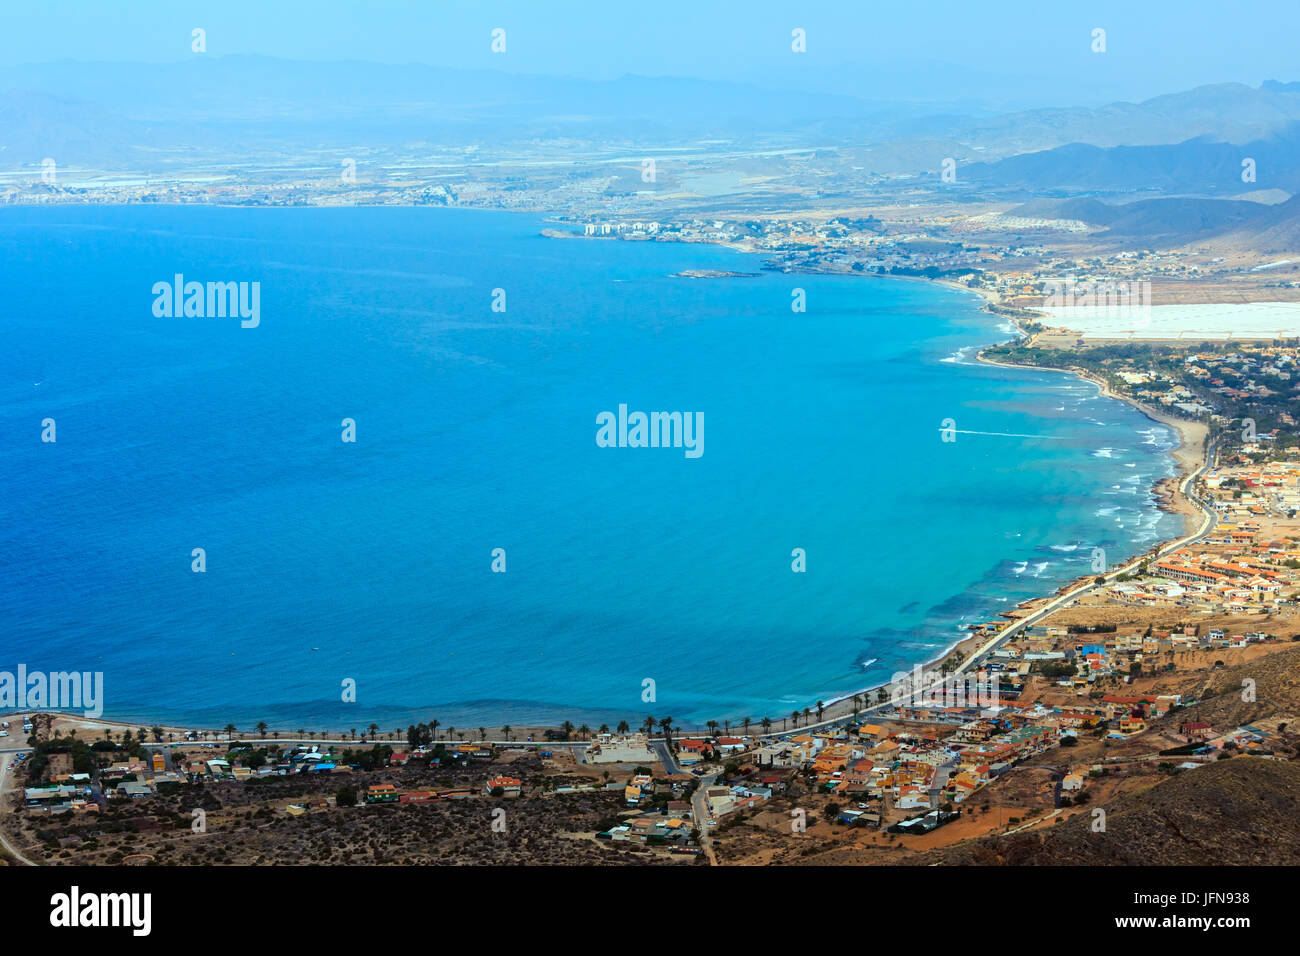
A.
x: 1187, y: 460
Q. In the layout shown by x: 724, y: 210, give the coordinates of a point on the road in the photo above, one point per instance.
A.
x: 703, y: 819
x: 6, y: 760
x: 666, y: 756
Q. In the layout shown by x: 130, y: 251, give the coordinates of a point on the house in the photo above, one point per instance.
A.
x: 871, y: 732
x: 1072, y: 782
x: 509, y: 786
x: 1132, y: 724
x: 382, y: 793
x: 1195, y: 731
x: 719, y: 800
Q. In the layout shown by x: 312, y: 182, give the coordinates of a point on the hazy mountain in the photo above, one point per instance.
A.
x: 1202, y: 165
x: 210, y: 109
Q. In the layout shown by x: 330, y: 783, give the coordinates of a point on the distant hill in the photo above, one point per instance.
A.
x: 1226, y: 113
x: 1244, y: 811
x: 1083, y: 209
x: 1176, y: 219
x: 1276, y: 230
x: 1201, y: 165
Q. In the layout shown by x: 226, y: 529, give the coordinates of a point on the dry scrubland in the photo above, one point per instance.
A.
x: 247, y: 824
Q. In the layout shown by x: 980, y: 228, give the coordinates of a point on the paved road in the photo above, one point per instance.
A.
x: 666, y: 756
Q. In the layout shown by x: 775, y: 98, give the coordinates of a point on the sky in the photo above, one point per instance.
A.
x: 1008, y: 54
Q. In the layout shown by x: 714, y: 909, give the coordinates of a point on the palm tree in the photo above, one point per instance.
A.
x: 451, y: 732
x: 794, y: 715
x: 726, y: 727
x: 666, y: 725
x: 713, y: 726
x: 567, y: 729
x: 622, y: 727
x: 649, y: 725
x: 301, y: 733
x: 230, y: 731
x: 433, y: 728
x: 746, y: 722
x: 261, y: 728
x: 482, y: 733
x: 585, y: 731
x: 505, y: 731
x: 372, y: 730
x: 157, y: 733
x: 766, y: 723
x: 820, y: 707
x: 604, y: 728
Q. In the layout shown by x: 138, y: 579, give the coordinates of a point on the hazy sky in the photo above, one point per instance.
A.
x: 1001, y: 53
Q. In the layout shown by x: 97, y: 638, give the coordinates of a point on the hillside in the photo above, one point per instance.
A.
x: 1239, y: 812
x: 1178, y: 219
x: 1277, y: 692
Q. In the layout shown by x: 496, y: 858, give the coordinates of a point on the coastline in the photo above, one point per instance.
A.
x: 840, y: 706
x: 1189, y: 456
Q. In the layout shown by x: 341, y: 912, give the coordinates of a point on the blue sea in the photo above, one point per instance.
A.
x: 371, y: 561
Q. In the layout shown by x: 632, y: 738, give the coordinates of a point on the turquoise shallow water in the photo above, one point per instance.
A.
x: 476, y: 430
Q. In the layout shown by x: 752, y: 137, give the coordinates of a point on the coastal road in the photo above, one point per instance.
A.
x: 1209, y: 520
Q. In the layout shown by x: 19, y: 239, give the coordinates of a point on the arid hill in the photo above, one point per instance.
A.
x: 1244, y: 811
x: 1276, y: 689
